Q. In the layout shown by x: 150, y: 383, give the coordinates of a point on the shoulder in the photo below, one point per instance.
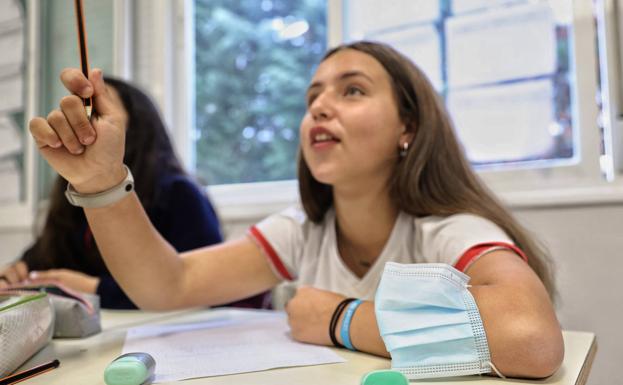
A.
x: 178, y: 193
x: 183, y: 214
x: 178, y: 182
x: 457, y: 224
x: 447, y: 239
x: 180, y: 190
x: 284, y: 236
x: 293, y: 219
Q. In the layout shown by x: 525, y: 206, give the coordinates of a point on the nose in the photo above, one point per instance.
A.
x: 321, y: 109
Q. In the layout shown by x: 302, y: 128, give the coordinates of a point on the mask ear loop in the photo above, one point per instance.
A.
x: 496, y: 370
x: 499, y: 374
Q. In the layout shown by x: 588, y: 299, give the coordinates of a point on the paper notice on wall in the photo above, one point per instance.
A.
x: 365, y: 17
x: 10, y: 138
x: 505, y: 122
x: 10, y: 180
x: 422, y: 46
x: 501, y: 44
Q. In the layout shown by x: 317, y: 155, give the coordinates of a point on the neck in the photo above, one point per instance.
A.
x: 365, y: 218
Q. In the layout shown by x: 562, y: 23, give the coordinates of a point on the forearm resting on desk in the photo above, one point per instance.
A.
x: 523, y: 334
x: 521, y: 345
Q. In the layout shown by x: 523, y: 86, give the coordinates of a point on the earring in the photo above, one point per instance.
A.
x: 405, y: 147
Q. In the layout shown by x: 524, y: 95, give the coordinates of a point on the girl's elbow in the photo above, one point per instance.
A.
x: 546, y: 361
x: 537, y: 351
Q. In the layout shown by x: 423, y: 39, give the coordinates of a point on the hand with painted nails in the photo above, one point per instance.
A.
x: 72, y: 279
x: 87, y: 153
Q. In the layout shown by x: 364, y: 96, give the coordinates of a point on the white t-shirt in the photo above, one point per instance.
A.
x: 305, y: 252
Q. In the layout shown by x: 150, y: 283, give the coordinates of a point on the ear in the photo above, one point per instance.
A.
x: 406, y: 137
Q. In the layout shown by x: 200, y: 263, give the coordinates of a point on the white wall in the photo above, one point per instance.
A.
x: 587, y: 244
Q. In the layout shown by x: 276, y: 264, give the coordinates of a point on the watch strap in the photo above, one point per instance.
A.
x: 104, y: 198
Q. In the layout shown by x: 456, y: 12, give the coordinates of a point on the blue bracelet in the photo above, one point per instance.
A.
x: 345, y: 330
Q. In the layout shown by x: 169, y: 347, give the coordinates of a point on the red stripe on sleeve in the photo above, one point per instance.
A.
x: 270, y: 252
x: 476, y: 251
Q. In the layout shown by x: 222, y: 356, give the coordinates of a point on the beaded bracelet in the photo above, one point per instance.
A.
x: 345, y: 330
x: 335, y: 318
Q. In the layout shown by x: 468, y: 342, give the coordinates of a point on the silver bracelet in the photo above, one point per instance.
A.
x: 104, y: 198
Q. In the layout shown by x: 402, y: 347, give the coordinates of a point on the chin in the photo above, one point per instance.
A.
x: 323, y: 175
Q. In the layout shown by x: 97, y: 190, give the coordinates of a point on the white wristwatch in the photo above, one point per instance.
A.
x: 104, y: 198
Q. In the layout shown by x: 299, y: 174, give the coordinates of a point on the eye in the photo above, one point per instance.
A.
x: 310, y: 99
x: 353, y: 90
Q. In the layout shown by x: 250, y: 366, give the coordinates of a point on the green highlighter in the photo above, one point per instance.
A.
x: 384, y: 377
x: 130, y: 369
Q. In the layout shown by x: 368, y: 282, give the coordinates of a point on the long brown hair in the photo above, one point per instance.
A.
x: 148, y: 153
x: 434, y: 177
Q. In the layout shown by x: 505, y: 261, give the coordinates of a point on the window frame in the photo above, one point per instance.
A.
x: 580, y: 183
x: 21, y: 215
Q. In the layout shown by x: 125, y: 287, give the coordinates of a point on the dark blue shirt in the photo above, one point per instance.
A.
x: 183, y: 216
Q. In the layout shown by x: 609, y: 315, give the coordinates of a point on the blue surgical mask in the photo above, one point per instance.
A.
x: 429, y: 321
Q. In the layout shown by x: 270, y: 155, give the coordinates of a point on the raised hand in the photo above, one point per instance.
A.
x: 89, y: 154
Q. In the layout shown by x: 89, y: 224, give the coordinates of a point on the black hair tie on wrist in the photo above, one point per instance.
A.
x: 335, y: 318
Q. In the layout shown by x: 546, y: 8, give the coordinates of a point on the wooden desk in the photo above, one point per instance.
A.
x: 83, y: 360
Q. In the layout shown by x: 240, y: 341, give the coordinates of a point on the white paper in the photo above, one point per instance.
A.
x: 11, y: 92
x: 501, y: 44
x: 10, y: 181
x: 365, y: 17
x: 422, y: 46
x: 226, y: 341
x: 506, y: 122
x: 10, y: 139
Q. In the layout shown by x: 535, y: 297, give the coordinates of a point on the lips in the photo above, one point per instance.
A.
x: 320, y: 135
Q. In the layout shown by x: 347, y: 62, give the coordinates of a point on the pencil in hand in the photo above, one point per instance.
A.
x: 82, y: 49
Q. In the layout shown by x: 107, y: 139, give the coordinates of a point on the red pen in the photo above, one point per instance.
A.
x: 29, y: 373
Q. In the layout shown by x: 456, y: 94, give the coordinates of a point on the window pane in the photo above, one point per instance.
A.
x: 503, y: 67
x: 254, y: 60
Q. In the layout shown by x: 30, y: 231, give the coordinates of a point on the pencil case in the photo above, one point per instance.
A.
x: 77, y: 315
x: 26, y: 326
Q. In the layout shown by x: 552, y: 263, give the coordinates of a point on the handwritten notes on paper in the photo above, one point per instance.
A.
x: 224, y: 341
